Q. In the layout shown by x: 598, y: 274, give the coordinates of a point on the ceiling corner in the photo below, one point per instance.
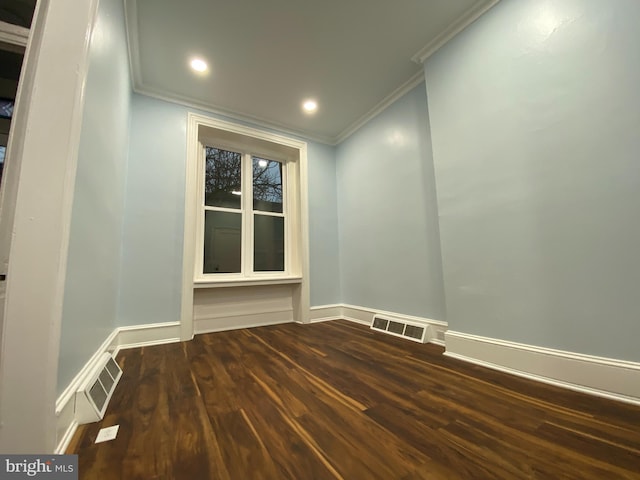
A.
x: 406, y: 87
x: 454, y: 28
x: 131, y: 32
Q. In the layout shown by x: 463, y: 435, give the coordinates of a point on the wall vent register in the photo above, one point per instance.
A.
x: 400, y: 328
x: 93, y: 398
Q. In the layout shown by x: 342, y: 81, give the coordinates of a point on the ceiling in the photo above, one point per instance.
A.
x: 266, y: 56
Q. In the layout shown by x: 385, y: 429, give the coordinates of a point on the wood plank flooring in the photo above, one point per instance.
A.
x: 337, y: 401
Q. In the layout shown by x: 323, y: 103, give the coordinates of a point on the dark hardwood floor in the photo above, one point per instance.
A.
x: 337, y: 401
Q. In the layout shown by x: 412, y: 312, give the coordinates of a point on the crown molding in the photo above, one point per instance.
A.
x: 475, y: 12
x: 131, y: 30
x: 229, y: 114
x: 252, y: 120
x: 138, y: 86
x: 406, y: 87
x: 403, y: 89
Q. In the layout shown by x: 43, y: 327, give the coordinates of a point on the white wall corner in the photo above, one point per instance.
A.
x: 604, y: 377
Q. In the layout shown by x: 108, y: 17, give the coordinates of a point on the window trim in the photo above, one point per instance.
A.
x: 296, y: 237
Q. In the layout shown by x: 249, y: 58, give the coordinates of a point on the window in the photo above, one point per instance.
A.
x: 245, y: 224
x: 6, y: 107
x: 248, y: 216
x: 223, y: 211
x: 244, y: 228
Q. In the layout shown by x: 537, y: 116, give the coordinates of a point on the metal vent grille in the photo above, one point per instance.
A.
x: 396, y: 327
x: 92, y: 400
x: 414, y: 332
x: 399, y: 328
x: 98, y: 395
x: 380, y: 323
x: 113, y: 368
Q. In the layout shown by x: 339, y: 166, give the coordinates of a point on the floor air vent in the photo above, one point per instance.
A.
x: 400, y: 328
x: 93, y: 398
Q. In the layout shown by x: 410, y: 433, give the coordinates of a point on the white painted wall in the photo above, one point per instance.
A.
x: 535, y: 114
x: 95, y: 243
x: 151, y: 273
x: 388, y: 228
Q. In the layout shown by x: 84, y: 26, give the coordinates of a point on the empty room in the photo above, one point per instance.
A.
x: 321, y: 240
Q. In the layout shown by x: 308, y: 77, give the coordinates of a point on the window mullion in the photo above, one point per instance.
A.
x: 269, y: 214
x: 285, y: 213
x: 247, y: 209
x: 222, y: 209
x: 200, y: 222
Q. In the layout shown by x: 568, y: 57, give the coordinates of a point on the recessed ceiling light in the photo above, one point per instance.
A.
x: 199, y: 65
x: 310, y: 106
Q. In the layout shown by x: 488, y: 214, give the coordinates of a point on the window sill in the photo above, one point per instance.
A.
x: 245, y: 282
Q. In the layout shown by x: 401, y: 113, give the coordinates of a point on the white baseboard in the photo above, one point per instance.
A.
x: 120, y: 338
x: 604, y: 377
x: 325, y: 313
x: 146, y: 335
x: 236, y: 322
x: 363, y: 315
x: 65, y: 404
x: 66, y: 427
x: 356, y: 314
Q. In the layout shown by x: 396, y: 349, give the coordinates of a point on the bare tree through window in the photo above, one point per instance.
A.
x: 223, y: 177
x: 223, y: 181
x: 267, y: 185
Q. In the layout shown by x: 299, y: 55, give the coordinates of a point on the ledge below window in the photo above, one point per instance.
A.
x: 244, y: 282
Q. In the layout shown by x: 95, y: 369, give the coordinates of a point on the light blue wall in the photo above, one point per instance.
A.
x: 388, y: 223
x: 154, y: 220
x: 151, y: 273
x: 91, y: 290
x: 535, y: 117
x: 323, y: 225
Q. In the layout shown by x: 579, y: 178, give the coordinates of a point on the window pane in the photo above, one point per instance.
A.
x: 268, y: 249
x: 223, y: 179
x: 267, y: 185
x: 222, y: 242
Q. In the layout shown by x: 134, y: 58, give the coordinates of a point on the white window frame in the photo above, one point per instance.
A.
x: 296, y: 198
x: 247, y: 213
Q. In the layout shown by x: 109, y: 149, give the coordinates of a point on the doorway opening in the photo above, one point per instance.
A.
x: 15, y: 22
